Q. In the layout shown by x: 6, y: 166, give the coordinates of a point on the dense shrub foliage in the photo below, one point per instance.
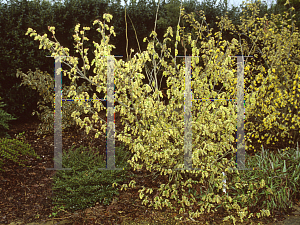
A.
x: 85, y: 185
x: 12, y: 148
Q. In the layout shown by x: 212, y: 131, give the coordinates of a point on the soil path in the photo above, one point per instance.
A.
x: 292, y: 218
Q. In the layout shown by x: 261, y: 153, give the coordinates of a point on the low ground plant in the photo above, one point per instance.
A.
x: 280, y: 175
x: 11, y: 149
x: 85, y: 185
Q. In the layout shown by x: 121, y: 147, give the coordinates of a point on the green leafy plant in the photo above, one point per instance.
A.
x: 279, y: 173
x: 85, y: 185
x: 56, y: 210
x: 12, y: 148
x: 4, y: 118
x: 21, y: 136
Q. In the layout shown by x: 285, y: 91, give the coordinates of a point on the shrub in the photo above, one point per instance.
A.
x: 281, y: 174
x: 43, y: 82
x: 12, y: 148
x: 85, y: 185
x: 156, y: 138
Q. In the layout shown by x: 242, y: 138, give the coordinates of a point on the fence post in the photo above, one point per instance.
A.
x: 240, y: 119
x: 110, y: 151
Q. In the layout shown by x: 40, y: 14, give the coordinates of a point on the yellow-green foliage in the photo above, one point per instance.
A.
x: 150, y: 137
x: 276, y: 110
x: 44, y: 83
x: 12, y: 148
